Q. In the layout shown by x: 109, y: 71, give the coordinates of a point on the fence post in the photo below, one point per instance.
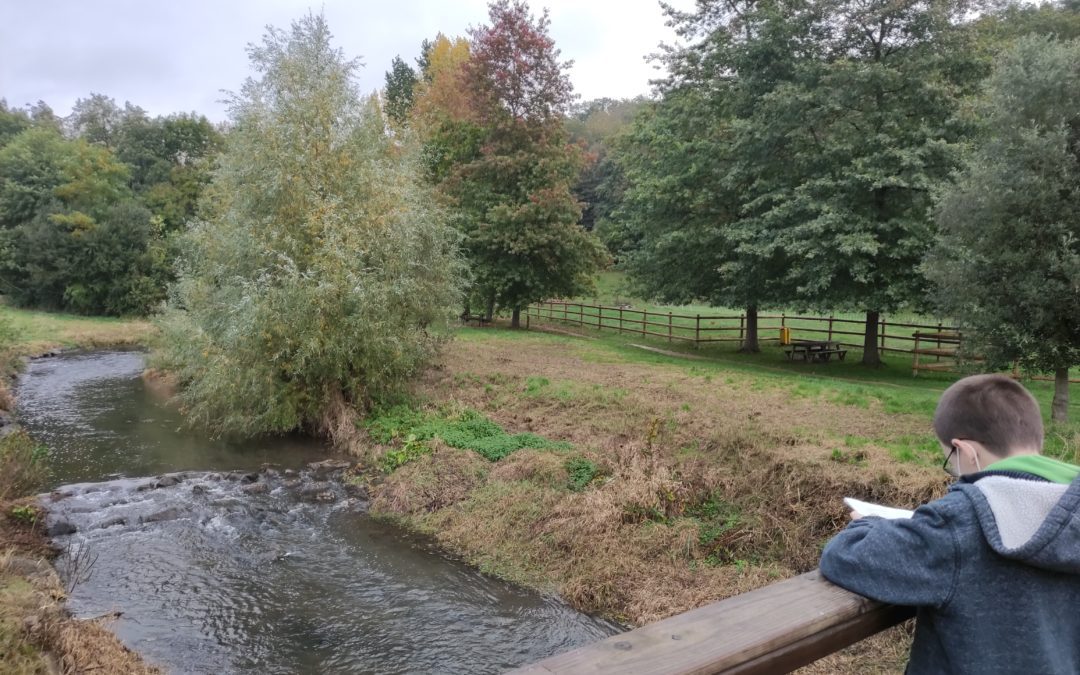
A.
x: 527, y: 324
x: 742, y: 322
x: 697, y: 330
x: 644, y: 321
x: 669, y: 326
x: 620, y: 319
x: 883, y: 333
x: 599, y: 316
x: 939, y: 328
x: 831, y: 317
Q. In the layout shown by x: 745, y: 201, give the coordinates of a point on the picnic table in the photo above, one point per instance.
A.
x: 814, y: 350
x: 480, y: 320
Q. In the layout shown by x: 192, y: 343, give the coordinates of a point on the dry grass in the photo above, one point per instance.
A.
x: 36, y: 634
x: 638, y: 543
x: 433, y: 482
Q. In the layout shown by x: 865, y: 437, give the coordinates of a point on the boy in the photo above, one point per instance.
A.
x: 993, y: 567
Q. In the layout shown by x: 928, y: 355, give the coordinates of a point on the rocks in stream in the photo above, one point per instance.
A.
x: 210, y: 499
x: 320, y: 491
x: 170, y: 513
x: 255, y: 488
x: 112, y: 522
x: 322, y: 470
x: 61, y: 527
x: 243, y: 477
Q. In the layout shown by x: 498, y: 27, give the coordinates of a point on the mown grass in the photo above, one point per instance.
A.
x: 36, y: 330
x: 890, y: 388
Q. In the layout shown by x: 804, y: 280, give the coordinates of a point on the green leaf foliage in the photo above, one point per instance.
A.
x: 513, y: 198
x: 71, y: 235
x: 320, y: 274
x: 1007, y: 263
x: 469, y: 431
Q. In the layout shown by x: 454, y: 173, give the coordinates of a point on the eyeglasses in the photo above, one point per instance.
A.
x: 946, y: 467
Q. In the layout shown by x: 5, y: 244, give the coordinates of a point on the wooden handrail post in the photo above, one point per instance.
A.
x: 831, y: 318
x: 774, y: 629
x: 882, y: 333
x: 669, y: 326
x: 620, y: 320
x: 742, y: 322
x: 697, y: 330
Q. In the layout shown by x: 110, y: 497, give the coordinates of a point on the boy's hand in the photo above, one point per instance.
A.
x: 855, y: 515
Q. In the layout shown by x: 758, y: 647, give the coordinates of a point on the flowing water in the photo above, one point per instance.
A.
x: 226, y: 557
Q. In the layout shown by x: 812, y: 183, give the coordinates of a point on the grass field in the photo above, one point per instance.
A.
x: 671, y: 480
x: 722, y: 323
x: 34, y: 331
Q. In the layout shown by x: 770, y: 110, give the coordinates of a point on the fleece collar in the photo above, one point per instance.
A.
x: 1042, y: 466
x: 1030, y: 520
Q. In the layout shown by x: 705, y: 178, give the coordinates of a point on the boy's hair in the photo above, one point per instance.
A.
x: 994, y: 410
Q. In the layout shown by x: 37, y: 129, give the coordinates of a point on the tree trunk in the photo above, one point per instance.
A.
x: 515, y: 318
x: 871, y: 356
x: 1059, y: 409
x: 490, y: 309
x: 750, y: 340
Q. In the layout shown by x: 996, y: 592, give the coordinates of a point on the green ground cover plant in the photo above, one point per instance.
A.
x: 469, y: 430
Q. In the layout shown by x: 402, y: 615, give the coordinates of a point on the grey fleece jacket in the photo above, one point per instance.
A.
x: 993, y: 568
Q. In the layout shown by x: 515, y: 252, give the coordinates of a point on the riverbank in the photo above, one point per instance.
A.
x: 670, y: 483
x: 36, y: 633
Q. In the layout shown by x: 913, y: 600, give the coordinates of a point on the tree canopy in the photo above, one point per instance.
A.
x: 319, y: 276
x: 1007, y: 264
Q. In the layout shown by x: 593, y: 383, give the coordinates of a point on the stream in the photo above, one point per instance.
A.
x: 255, y: 556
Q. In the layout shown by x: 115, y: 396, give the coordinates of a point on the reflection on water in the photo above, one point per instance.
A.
x: 102, y: 422
x: 276, y: 572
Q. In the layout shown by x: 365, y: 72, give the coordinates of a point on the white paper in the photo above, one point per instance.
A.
x: 868, y: 509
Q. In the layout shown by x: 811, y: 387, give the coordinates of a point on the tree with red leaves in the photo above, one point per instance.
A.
x: 513, y: 197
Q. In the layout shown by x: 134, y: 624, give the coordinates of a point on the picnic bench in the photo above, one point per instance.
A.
x: 480, y: 319
x: 814, y: 350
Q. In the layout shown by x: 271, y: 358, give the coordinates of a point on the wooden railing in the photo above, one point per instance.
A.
x: 704, y: 328
x: 775, y: 629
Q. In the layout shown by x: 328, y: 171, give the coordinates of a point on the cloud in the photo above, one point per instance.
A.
x: 172, y: 57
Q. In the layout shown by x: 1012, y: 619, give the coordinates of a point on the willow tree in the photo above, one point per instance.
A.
x: 318, y: 277
x: 1008, y: 261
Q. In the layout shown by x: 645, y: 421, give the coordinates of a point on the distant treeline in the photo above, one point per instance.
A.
x: 90, y: 203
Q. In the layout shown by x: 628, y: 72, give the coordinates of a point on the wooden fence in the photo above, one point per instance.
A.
x: 704, y: 329
x: 774, y: 629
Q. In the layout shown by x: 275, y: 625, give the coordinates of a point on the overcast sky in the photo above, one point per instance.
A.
x: 177, y: 56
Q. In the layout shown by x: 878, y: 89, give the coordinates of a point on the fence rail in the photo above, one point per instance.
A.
x: 774, y: 629
x: 705, y: 329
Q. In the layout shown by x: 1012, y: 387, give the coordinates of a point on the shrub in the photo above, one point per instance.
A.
x: 320, y: 275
